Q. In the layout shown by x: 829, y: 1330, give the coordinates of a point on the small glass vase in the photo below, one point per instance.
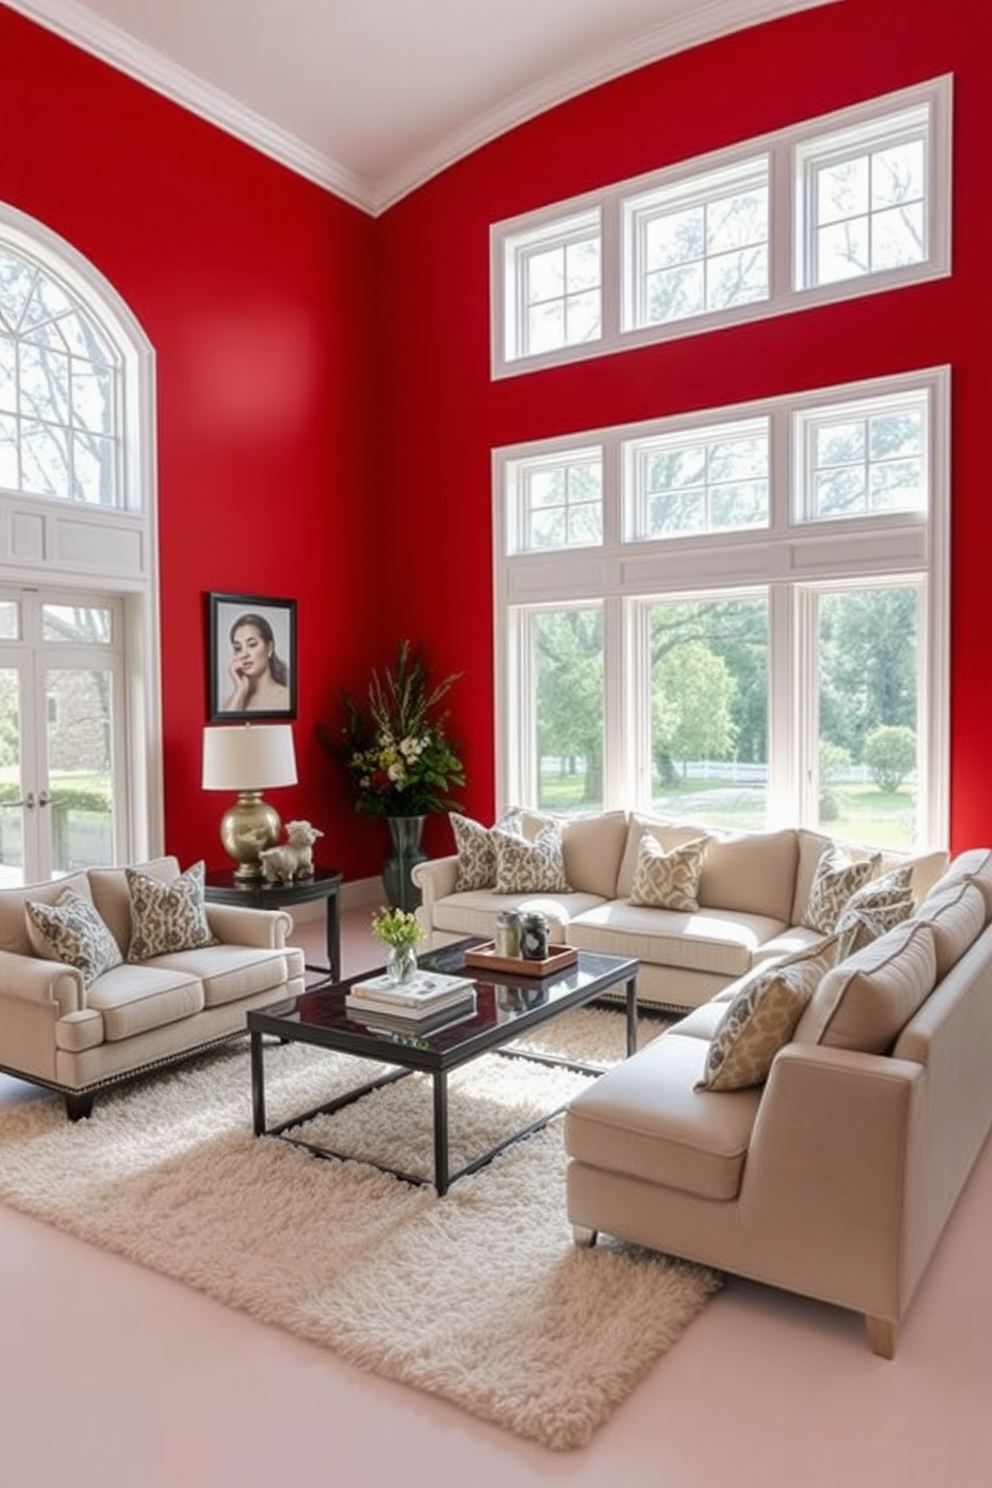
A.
x: 401, y: 963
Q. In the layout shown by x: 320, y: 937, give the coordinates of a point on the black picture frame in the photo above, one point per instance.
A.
x: 273, y: 621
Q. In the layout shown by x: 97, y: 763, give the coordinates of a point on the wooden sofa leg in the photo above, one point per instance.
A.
x: 881, y: 1336
x: 77, y: 1107
x: 584, y: 1237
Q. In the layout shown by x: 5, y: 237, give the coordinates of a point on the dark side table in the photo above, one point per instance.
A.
x: 221, y: 887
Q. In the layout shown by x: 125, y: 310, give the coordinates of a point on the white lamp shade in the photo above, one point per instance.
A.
x: 249, y: 756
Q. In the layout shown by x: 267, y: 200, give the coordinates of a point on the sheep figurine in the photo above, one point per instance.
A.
x: 293, y: 858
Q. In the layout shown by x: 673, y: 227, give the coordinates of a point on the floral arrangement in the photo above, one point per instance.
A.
x: 397, y: 927
x: 395, y: 748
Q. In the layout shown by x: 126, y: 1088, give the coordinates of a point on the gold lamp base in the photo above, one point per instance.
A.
x: 246, y: 830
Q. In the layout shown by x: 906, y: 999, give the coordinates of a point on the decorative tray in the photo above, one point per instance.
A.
x: 558, y: 957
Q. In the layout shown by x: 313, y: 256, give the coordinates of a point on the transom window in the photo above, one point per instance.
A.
x: 554, y: 286
x: 557, y: 503
x: 59, y: 392
x: 866, y: 195
x: 709, y: 480
x: 698, y: 246
x: 865, y: 459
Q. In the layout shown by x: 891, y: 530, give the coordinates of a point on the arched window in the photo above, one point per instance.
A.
x: 60, y: 404
x: 78, y: 565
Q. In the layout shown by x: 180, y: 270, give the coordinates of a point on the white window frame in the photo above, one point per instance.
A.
x: 788, y: 560
x: 695, y: 190
x: 48, y: 542
x: 790, y: 152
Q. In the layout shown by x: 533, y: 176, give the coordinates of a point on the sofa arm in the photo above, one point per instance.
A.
x: 833, y: 1176
x: 240, y: 924
x: 31, y: 979
x: 435, y: 878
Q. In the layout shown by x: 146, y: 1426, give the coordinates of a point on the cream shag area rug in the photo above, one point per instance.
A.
x: 479, y: 1297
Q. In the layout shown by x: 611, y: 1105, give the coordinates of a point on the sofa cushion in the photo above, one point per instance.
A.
x: 70, y: 930
x: 167, y: 917
x: 668, y: 880
x: 864, y: 1001
x: 710, y: 940
x: 593, y: 847
x: 229, y: 973
x: 750, y: 873
x: 665, y: 830
x: 834, y: 881
x: 524, y: 867
x: 473, y: 913
x: 646, y: 1118
x: 475, y: 849
x: 975, y: 865
x: 956, y: 915
x: 134, y: 999
x: 761, y: 1019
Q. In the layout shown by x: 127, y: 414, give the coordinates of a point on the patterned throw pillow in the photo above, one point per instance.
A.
x: 834, y: 882
x: 878, y: 893
x: 860, y: 924
x: 668, y: 880
x: 167, y: 917
x: 761, y: 1019
x: 476, y: 850
x: 70, y: 930
x: 524, y: 867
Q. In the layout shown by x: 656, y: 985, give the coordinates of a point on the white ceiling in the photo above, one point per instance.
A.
x: 372, y: 97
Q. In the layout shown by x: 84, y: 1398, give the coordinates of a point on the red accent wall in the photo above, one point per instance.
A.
x: 442, y: 426
x: 324, y: 403
x: 254, y: 287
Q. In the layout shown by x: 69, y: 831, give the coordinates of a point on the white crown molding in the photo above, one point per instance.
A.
x: 699, y: 23
x: 705, y: 21
x: 74, y: 23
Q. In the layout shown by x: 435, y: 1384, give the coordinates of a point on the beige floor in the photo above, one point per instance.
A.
x: 114, y: 1377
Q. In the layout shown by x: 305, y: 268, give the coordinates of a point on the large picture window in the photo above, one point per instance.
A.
x: 758, y: 641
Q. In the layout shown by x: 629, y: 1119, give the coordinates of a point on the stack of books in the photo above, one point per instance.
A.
x: 428, y: 1001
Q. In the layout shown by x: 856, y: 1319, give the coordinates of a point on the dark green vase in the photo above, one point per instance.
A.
x: 405, y: 833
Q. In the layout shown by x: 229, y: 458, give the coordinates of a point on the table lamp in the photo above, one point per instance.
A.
x: 249, y: 758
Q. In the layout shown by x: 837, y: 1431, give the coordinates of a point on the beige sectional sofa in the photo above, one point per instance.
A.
x: 752, y: 893
x: 834, y: 1176
x: 77, y: 1028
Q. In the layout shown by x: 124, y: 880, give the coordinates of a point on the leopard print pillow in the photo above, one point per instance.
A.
x: 167, y: 917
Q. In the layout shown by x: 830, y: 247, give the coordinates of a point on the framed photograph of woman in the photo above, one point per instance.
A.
x: 251, y: 656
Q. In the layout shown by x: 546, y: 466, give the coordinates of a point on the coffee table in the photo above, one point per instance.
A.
x: 320, y: 1017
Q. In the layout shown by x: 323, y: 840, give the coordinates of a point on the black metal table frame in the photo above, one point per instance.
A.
x: 404, y: 1055
x: 325, y: 884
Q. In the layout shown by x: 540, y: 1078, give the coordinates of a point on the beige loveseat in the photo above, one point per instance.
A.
x: 77, y: 1033
x: 752, y: 895
x: 835, y: 1176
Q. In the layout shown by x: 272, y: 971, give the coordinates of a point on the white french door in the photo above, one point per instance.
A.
x: 62, y: 755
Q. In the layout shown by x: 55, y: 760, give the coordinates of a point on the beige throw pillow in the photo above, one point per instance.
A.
x: 476, y: 850
x: 167, y: 917
x: 761, y: 1019
x: 834, y: 881
x: 524, y: 867
x: 70, y: 930
x: 860, y: 924
x: 668, y: 880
